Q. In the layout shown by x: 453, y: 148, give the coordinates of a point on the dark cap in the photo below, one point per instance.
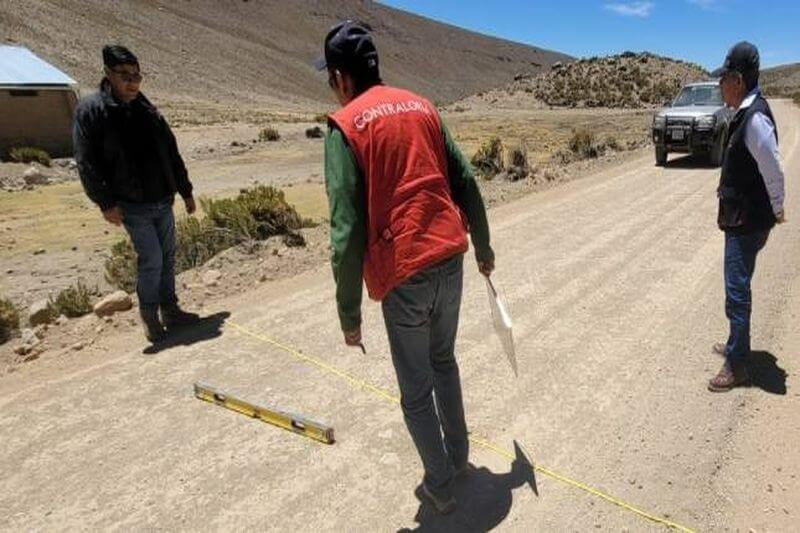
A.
x: 349, y: 45
x: 742, y: 58
x: 115, y: 54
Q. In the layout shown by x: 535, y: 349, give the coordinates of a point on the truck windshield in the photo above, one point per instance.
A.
x: 699, y: 95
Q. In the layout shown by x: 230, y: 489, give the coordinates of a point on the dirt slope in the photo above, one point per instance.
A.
x: 781, y: 81
x: 615, y: 284
x: 218, y: 53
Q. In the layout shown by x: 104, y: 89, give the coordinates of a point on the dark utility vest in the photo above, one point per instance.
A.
x: 744, y: 205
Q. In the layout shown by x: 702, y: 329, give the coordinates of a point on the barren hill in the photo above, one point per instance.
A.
x: 781, y: 81
x: 258, y: 53
x: 628, y: 80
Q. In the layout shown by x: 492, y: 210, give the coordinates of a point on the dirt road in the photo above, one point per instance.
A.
x: 615, y: 286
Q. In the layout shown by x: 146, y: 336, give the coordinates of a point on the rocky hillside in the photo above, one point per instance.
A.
x: 781, y: 81
x: 629, y: 80
x: 248, y: 54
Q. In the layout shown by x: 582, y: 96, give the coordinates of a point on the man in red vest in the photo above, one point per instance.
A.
x: 401, y: 200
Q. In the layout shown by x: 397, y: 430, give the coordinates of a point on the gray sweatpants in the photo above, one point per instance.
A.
x: 421, y: 318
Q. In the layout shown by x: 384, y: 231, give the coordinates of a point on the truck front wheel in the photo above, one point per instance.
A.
x: 661, y: 156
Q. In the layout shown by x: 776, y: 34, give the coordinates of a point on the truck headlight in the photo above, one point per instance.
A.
x: 660, y: 122
x: 705, y: 123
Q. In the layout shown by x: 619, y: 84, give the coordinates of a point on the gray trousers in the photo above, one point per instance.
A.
x: 421, y: 318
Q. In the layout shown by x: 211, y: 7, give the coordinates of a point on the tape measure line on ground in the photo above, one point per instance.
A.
x: 485, y: 444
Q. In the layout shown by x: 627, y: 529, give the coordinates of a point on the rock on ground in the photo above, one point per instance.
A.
x: 113, y: 303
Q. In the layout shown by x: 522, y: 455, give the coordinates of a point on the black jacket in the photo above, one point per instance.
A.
x: 744, y: 205
x: 106, y: 173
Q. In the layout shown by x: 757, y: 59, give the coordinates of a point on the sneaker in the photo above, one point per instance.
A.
x: 153, y: 330
x: 729, y: 377
x: 175, y: 317
x: 442, y: 506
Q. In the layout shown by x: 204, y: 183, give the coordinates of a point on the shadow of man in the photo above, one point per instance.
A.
x: 765, y: 373
x: 484, y: 499
x: 205, y: 329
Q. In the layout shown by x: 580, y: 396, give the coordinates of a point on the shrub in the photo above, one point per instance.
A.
x: 612, y: 143
x: 518, y: 165
x: 197, y: 241
x: 583, y: 143
x: 796, y: 98
x: 29, y: 154
x: 315, y: 133
x: 73, y: 302
x: 255, y: 214
x: 9, y: 319
x: 269, y: 134
x: 121, y: 266
x: 488, y: 160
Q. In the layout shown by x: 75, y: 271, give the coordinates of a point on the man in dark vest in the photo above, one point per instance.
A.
x: 130, y: 167
x: 401, y: 199
x: 751, y: 194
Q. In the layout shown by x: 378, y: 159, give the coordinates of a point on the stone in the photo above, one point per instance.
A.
x: 39, y: 313
x: 61, y: 320
x: 211, y: 278
x: 78, y: 346
x: 29, y: 338
x: 115, y: 302
x: 34, y: 176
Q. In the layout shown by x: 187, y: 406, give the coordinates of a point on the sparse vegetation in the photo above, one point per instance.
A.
x: 628, y: 80
x: 315, y: 133
x: 255, y: 214
x: 518, y: 165
x: 9, y: 319
x: 582, y: 143
x: 72, y: 302
x: 322, y: 118
x: 29, y: 154
x: 488, y: 160
x: 269, y: 134
x: 120, y: 268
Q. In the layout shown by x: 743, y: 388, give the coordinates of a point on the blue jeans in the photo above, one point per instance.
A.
x: 151, y: 227
x: 740, y: 263
x: 421, y: 318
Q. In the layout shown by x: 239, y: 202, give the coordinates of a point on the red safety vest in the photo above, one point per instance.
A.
x: 412, y: 220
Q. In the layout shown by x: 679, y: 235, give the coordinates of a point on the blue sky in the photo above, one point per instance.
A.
x: 695, y: 30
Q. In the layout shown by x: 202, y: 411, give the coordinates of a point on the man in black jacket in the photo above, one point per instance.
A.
x: 130, y: 167
x: 751, y: 194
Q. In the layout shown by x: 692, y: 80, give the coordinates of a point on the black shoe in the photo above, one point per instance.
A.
x: 153, y: 329
x: 175, y: 317
x: 442, y: 505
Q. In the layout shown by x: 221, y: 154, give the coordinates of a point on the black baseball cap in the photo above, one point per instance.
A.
x: 742, y: 58
x: 349, y: 45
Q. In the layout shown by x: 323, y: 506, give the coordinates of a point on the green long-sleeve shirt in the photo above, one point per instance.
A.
x: 348, y: 214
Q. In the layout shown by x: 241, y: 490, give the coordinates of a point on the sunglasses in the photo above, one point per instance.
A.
x: 128, y: 77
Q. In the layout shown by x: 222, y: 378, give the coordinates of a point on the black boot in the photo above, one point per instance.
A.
x: 153, y: 329
x: 175, y: 317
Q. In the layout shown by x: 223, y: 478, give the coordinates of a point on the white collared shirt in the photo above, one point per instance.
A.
x: 762, y: 142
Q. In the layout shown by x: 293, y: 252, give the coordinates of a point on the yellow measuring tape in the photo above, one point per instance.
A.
x: 485, y: 444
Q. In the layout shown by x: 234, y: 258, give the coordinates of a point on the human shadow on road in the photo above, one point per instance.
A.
x: 765, y: 373
x: 205, y: 329
x: 690, y: 162
x: 484, y: 499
